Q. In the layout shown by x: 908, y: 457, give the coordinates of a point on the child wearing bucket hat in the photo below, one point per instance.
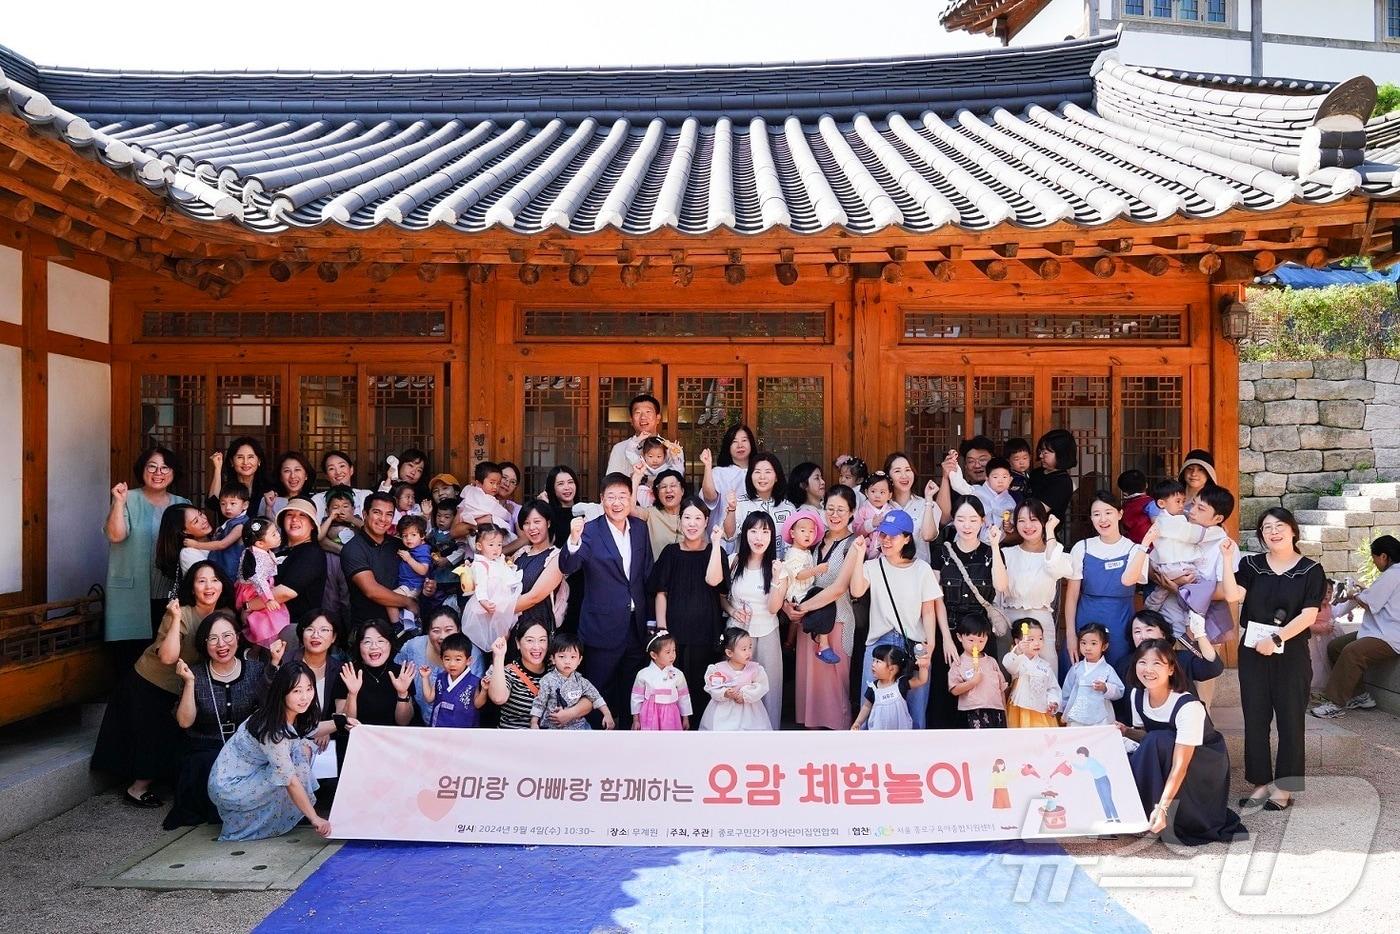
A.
x: 801, y: 531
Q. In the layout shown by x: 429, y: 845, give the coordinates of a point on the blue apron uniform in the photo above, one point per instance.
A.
x: 1103, y: 599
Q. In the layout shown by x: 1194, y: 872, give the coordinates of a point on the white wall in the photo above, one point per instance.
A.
x: 11, y: 284
x: 80, y: 439
x: 1333, y: 19
x: 11, y: 471
x: 1297, y: 61
x: 1188, y: 53
x: 1059, y: 19
x: 78, y: 303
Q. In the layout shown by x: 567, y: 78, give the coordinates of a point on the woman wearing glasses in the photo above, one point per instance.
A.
x: 139, y: 741
x: 137, y: 591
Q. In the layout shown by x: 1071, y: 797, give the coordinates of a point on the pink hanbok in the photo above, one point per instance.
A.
x: 660, y: 698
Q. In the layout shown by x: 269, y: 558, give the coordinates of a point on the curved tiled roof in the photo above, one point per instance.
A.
x: 1026, y: 137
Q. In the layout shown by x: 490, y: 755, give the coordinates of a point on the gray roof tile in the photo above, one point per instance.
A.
x: 1029, y: 137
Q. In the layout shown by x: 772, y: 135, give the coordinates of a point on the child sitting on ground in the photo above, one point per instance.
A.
x: 558, y: 705
x: 415, y: 561
x: 977, y: 681
x: 801, y: 530
x: 1035, y: 694
x: 1018, y: 454
x: 454, y: 694
x: 1138, y: 508
x: 885, y: 704
x: 736, y: 687
x: 1091, y: 684
x: 995, y: 494
x: 226, y: 548
x: 1184, y: 553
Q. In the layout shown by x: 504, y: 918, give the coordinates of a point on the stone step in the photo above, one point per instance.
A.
x: 1329, y: 743
x: 44, y: 766
x: 1337, y: 518
x: 1324, y: 534
x: 1371, y: 489
x: 1358, y: 503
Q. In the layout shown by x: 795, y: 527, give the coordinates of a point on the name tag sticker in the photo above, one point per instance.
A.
x: 1114, y: 565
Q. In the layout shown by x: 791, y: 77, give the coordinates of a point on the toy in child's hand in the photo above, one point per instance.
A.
x: 1025, y: 630
x: 976, y: 658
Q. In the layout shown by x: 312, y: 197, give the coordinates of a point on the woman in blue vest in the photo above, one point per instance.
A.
x: 1102, y: 584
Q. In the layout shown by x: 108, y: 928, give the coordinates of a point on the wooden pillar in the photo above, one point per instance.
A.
x: 456, y: 458
x: 870, y: 379
x: 34, y: 363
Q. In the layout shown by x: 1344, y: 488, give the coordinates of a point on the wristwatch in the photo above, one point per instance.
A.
x: 1278, y: 640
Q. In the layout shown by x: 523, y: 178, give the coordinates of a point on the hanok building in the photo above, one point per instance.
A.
x: 850, y: 256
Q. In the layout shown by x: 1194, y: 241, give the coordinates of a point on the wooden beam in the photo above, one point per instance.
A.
x: 34, y: 375
x: 898, y: 253
x: 942, y: 271
x: 682, y: 275
x: 735, y: 273
x: 1209, y: 263
x: 1117, y: 245
x: 427, y: 272
x: 1103, y: 267
x: 1154, y: 265
x: 1283, y: 235
x: 1316, y: 258
x: 529, y: 273
x: 786, y: 272
x: 842, y: 254
x: 579, y: 275
x: 993, y: 269
x: 379, y: 272
x: 630, y: 275
x: 893, y: 273
x: 1059, y: 247
x: 1172, y: 241
x: 1006, y: 250
x: 1226, y: 238
x: 478, y: 273
x: 327, y: 272
x: 1265, y: 260
x: 1046, y: 269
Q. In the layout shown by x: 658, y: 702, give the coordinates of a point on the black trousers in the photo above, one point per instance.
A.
x: 1275, y: 689
x: 612, y: 672
x: 693, y: 661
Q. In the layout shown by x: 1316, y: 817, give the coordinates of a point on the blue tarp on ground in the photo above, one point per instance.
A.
x: 499, y: 889
x: 1296, y: 276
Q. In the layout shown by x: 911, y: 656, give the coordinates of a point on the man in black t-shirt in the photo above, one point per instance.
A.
x: 370, y: 562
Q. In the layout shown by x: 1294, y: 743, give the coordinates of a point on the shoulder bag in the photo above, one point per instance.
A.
x: 1000, y: 624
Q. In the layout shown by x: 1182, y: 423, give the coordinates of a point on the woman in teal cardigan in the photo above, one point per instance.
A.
x: 137, y: 591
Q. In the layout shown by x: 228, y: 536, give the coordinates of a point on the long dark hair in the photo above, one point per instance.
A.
x: 310, y: 471
x: 268, y: 724
x: 725, y: 459
x: 779, y: 481
x: 553, y: 475
x: 185, y: 591
x: 797, y: 482
x: 743, y: 552
x: 171, y: 538
x: 261, y: 482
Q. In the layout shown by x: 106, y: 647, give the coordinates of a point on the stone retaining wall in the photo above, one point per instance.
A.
x: 1310, y: 428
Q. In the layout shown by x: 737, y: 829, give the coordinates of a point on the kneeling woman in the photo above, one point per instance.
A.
x: 1182, y: 767
x: 262, y: 782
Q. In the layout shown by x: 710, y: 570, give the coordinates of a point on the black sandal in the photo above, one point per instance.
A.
x: 1272, y: 805
x: 146, y: 801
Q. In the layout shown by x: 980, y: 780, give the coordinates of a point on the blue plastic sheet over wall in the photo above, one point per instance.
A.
x: 1297, y: 276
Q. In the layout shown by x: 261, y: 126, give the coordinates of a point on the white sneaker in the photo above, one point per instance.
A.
x: 1327, y: 711
x: 1362, y: 701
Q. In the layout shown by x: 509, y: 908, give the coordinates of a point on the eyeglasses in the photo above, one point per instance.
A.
x: 159, y: 468
x: 221, y: 638
x: 372, y: 643
x: 320, y: 630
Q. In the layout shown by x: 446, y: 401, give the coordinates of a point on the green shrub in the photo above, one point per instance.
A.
x: 1340, y: 321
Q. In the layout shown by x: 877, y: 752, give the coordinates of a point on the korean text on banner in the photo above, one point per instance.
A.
x: 733, y: 789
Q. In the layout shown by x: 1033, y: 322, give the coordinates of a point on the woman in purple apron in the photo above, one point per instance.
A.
x: 1096, y: 592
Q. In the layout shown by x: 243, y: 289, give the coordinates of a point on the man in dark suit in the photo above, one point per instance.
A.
x: 615, y: 555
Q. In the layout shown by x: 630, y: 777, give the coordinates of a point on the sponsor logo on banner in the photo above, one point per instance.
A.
x: 733, y: 789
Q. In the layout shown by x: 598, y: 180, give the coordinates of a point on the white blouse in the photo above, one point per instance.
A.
x: 747, y: 590
x: 1033, y: 577
x: 1120, y: 550
x: 1190, y: 722
x: 915, y: 507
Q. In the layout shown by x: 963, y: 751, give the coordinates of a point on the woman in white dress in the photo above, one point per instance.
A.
x: 1027, y: 576
x: 756, y: 593
x: 724, y: 474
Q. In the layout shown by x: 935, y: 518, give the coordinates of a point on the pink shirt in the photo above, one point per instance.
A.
x: 990, y: 692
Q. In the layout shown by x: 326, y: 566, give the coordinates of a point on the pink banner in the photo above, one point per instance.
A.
x: 733, y: 789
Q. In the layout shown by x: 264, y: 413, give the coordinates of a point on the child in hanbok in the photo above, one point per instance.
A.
x: 495, y: 586
x: 257, y: 580
x: 660, y: 697
x: 1035, y: 694
x: 736, y: 687
x: 1091, y: 684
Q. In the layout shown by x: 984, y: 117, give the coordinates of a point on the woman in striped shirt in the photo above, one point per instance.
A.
x: 512, y: 686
